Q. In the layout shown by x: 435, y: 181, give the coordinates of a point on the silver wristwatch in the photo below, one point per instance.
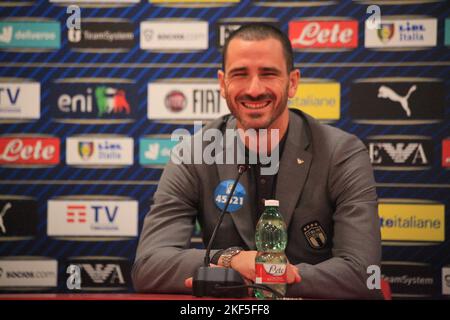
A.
x: 228, y: 254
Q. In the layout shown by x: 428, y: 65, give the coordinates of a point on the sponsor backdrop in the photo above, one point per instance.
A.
x: 86, y: 116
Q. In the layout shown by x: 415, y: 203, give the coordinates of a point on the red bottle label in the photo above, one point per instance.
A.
x: 269, y: 273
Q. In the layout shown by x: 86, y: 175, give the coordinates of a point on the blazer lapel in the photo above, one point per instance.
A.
x: 294, y: 166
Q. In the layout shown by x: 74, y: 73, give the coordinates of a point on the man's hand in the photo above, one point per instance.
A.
x: 244, y: 263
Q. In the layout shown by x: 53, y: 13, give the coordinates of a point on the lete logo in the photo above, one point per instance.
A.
x: 323, y: 34
x: 29, y: 150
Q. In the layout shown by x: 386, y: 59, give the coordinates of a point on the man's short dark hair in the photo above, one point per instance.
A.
x: 262, y: 31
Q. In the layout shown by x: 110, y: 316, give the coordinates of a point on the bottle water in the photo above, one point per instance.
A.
x: 271, y: 261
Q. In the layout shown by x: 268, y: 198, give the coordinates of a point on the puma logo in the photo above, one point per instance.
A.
x: 387, y: 93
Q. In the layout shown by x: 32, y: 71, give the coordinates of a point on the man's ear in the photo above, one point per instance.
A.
x: 294, y: 79
x: 221, y: 77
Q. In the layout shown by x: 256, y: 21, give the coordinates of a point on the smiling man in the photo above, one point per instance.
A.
x: 324, y: 183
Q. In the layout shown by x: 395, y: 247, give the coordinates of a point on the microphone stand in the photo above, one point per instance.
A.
x: 213, y: 281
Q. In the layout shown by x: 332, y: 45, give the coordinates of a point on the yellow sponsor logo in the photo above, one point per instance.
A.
x: 321, y: 100
x: 412, y: 221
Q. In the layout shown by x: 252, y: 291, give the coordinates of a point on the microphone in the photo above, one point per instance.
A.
x: 211, y: 281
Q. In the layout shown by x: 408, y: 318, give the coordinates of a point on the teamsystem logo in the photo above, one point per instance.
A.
x: 409, y: 279
x: 102, y: 35
x: 24, y: 33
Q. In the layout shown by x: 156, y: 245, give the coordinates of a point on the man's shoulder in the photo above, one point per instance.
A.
x: 322, y: 132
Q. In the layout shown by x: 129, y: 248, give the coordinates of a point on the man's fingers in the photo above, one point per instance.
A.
x: 188, y: 282
x: 292, y: 274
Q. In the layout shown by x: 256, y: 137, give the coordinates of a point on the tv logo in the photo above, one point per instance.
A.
x: 80, y: 217
x: 20, y: 100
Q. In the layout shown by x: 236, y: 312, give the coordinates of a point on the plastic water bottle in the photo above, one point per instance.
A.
x: 271, y: 241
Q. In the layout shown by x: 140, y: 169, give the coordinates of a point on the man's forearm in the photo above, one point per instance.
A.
x: 165, y: 270
x: 335, y: 278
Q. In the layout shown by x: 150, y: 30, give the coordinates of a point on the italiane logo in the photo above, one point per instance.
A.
x: 25, y: 34
x: 319, y: 98
x: 412, y: 220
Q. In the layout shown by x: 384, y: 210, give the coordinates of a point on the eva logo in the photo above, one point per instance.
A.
x: 396, y: 152
x: 101, y: 273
